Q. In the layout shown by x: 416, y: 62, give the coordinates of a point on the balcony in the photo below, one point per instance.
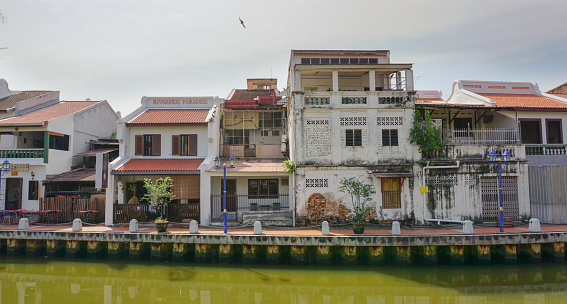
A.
x: 236, y: 203
x: 252, y: 151
x: 22, y: 153
x: 380, y: 99
x: 481, y: 137
x: 317, y: 101
x: 544, y: 150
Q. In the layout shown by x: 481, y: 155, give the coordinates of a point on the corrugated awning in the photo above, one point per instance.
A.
x: 94, y: 152
x: 392, y: 175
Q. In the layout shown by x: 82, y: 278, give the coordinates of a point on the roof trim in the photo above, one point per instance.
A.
x: 392, y: 175
x: 114, y: 172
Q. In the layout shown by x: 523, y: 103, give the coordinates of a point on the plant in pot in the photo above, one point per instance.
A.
x: 159, y: 193
x: 360, y: 193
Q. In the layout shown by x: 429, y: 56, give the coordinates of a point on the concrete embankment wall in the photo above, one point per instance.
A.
x: 278, y: 249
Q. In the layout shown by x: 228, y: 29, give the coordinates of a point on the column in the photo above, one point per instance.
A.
x: 335, y: 81
x: 409, y: 80
x: 398, y: 80
x: 372, y: 80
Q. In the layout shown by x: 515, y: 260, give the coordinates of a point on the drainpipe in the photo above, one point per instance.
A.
x: 423, y: 179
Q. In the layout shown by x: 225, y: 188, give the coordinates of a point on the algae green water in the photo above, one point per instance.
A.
x: 48, y: 281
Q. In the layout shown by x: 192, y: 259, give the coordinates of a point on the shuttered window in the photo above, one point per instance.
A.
x: 353, y: 138
x: 187, y: 186
x: 185, y: 145
x: 148, y: 145
x: 391, y: 198
x: 389, y: 137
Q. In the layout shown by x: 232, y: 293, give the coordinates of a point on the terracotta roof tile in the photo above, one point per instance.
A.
x: 11, y: 101
x: 523, y: 100
x: 56, y: 111
x: 561, y: 89
x: 79, y: 175
x: 428, y: 99
x: 160, y: 164
x: 171, y: 117
x: 251, y: 94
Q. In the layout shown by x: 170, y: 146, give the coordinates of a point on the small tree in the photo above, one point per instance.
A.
x: 360, y: 193
x: 158, y: 193
x: 425, y: 135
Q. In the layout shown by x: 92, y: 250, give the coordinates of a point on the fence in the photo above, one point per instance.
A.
x: 237, y: 203
x: 124, y: 213
x: 546, y: 149
x: 481, y: 136
x: 548, y: 193
x: 70, y: 207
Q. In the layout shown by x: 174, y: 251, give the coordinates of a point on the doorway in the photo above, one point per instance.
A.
x: 231, y: 198
x: 14, y: 193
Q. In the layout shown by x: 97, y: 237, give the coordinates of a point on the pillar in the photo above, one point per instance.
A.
x: 349, y: 255
x: 16, y: 247
x: 324, y: 255
x: 403, y: 255
x: 457, y: 255
x: 180, y: 251
x: 554, y: 252
x: 273, y: 254
x: 75, y: 249
x: 429, y: 255
x: 530, y: 253
x: 117, y: 250
x: 204, y: 253
x: 372, y: 80
x: 481, y: 254
x: 54, y: 248
x: 298, y: 255
x: 35, y: 247
x: 226, y: 253
x: 510, y: 254
x: 335, y: 75
x: 161, y: 251
x: 409, y: 80
x: 251, y: 254
x: 96, y: 249
x: 376, y: 255
x: 138, y: 250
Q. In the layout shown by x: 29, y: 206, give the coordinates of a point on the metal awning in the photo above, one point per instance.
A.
x: 94, y: 152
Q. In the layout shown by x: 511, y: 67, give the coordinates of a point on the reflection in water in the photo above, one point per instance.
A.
x: 25, y: 281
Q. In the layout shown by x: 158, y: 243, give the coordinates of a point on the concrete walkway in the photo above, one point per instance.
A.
x: 311, y: 231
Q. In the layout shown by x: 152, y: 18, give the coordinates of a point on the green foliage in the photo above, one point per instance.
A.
x: 159, y: 194
x: 289, y: 166
x: 425, y: 135
x: 360, y: 196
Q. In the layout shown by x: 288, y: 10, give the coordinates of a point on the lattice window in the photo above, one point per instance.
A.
x: 353, y: 121
x: 390, y: 121
x: 470, y: 180
x: 317, y: 122
x: 441, y: 180
x: 316, y: 182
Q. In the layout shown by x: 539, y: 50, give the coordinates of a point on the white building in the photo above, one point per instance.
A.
x: 43, y: 143
x: 349, y: 116
x: 165, y: 136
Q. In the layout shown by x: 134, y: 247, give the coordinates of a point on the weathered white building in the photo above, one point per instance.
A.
x: 349, y: 115
x: 165, y: 136
x: 44, y: 142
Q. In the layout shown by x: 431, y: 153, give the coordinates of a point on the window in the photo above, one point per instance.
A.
x: 554, y: 134
x: 264, y: 188
x: 390, y: 137
x: 148, y: 145
x: 33, y: 190
x: 530, y: 131
x: 185, y: 145
x: 305, y: 60
x: 391, y: 198
x: 58, y: 141
x: 353, y: 138
x: 270, y: 119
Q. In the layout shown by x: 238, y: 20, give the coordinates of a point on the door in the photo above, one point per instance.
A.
x: 490, y: 198
x: 14, y: 193
x: 231, y: 198
x: 530, y: 131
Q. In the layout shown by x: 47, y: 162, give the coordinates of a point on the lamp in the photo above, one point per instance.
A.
x: 217, y: 162
x: 492, y: 156
x: 506, y: 156
x: 6, y: 165
x: 231, y: 161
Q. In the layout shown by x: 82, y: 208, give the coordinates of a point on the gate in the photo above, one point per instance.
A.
x: 548, y: 193
x: 490, y: 203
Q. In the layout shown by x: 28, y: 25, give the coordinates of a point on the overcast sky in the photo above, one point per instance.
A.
x: 121, y: 50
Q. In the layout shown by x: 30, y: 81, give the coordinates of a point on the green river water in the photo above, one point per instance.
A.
x: 48, y: 281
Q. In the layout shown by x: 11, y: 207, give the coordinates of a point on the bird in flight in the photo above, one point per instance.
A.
x: 241, y: 22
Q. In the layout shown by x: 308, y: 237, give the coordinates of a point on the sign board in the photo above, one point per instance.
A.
x: 424, y: 189
x: 19, y: 167
x: 180, y: 102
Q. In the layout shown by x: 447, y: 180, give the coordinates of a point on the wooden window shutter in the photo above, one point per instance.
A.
x: 175, y: 143
x: 139, y: 145
x: 193, y: 144
x: 156, y: 144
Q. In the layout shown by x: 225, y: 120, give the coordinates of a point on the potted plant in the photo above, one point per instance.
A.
x: 158, y: 193
x: 360, y: 193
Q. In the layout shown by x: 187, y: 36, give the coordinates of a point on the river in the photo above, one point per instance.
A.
x: 48, y: 281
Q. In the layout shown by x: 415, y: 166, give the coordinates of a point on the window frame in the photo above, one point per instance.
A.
x: 258, y: 193
x: 33, y: 192
x: 353, y: 137
x: 395, y: 194
x: 388, y: 138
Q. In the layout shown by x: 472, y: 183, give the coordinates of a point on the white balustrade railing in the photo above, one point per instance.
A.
x: 481, y: 136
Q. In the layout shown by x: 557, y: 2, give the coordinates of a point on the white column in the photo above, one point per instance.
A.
x: 372, y: 80
x: 335, y: 81
x: 398, y: 80
x: 386, y: 80
x: 109, y: 200
x: 409, y: 80
x: 297, y: 81
x: 543, y: 132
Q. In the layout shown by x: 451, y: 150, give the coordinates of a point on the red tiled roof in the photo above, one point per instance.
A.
x: 171, y: 117
x: 523, y: 100
x: 561, y: 89
x: 11, y: 101
x: 160, y: 164
x: 251, y: 94
x: 56, y: 111
x: 428, y: 99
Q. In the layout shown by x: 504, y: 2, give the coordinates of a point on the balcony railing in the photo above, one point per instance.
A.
x: 546, y: 149
x: 317, y: 101
x: 236, y: 203
x: 481, y: 136
x: 354, y: 100
x: 22, y: 153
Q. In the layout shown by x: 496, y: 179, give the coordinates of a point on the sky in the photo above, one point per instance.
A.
x: 123, y: 50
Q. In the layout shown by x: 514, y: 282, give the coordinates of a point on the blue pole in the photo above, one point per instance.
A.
x: 501, y: 208
x: 225, y: 224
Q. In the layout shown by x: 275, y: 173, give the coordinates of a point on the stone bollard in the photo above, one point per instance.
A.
x: 24, y: 224
x: 257, y: 227
x: 535, y: 226
x: 77, y: 225
x: 193, y: 227
x: 133, y: 228
x: 396, y: 228
x: 468, y: 227
x: 325, y: 228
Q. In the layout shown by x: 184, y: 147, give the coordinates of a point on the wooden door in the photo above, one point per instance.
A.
x: 231, y: 198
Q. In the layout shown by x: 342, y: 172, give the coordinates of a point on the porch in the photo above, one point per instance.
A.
x: 485, y: 136
x: 236, y: 204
